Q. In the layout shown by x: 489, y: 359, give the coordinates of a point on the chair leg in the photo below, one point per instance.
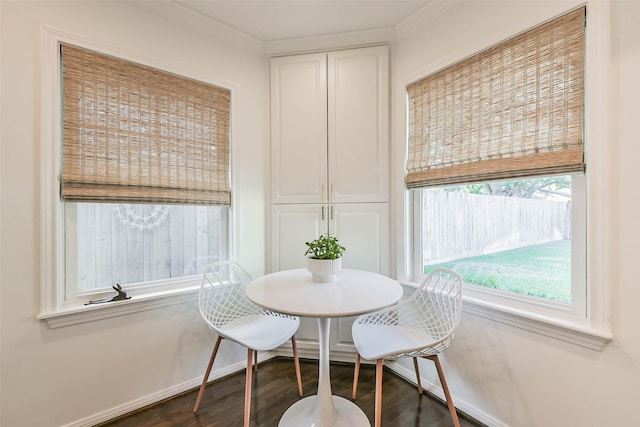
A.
x: 296, y: 362
x: 356, y: 376
x: 378, y: 406
x: 417, y: 369
x: 206, y: 375
x: 445, y: 388
x: 255, y: 358
x: 247, y: 389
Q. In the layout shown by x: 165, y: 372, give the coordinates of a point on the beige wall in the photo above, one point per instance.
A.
x: 55, y: 377
x: 516, y: 377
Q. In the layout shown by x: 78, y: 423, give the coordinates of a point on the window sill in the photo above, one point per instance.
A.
x: 578, y: 332
x: 77, y: 314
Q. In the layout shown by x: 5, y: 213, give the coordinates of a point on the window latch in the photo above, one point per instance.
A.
x: 122, y: 295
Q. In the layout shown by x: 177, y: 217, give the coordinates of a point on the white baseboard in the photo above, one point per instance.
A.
x: 436, y: 389
x: 150, y: 399
x: 311, y: 351
x: 407, y: 374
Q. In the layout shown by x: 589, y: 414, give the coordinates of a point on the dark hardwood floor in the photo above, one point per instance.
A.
x: 274, y: 390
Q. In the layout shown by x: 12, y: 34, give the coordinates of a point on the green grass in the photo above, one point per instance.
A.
x: 542, y: 271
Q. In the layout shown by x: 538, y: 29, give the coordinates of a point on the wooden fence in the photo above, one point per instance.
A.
x: 459, y: 225
x: 109, y: 250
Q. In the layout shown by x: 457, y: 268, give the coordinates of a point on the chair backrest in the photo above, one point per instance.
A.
x: 436, y: 306
x: 222, y: 294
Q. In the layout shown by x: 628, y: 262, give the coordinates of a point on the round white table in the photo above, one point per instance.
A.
x: 293, y: 292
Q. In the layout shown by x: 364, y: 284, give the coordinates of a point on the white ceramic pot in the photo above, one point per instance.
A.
x: 324, y: 270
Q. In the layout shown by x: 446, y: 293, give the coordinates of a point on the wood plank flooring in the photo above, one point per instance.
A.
x: 274, y: 390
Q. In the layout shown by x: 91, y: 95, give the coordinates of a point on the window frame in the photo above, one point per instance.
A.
x: 591, y: 328
x: 577, y: 307
x: 74, y: 297
x: 53, y: 308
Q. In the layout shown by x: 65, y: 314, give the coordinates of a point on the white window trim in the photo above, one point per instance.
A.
x: 52, y: 307
x: 77, y: 314
x: 592, y: 330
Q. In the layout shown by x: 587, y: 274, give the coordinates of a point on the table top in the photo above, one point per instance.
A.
x: 294, y: 292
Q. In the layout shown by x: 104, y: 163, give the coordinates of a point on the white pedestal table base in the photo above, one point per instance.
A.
x: 300, y: 414
x: 324, y: 409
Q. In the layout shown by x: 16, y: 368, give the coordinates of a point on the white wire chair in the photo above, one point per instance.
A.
x: 421, y: 326
x: 227, y: 311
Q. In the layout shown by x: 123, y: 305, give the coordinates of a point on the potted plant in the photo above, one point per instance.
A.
x: 324, y: 258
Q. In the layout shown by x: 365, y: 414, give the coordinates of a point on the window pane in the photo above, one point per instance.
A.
x: 136, y: 243
x: 512, y: 236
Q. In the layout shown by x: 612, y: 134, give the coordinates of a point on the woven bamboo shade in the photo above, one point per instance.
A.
x: 512, y: 111
x: 135, y: 134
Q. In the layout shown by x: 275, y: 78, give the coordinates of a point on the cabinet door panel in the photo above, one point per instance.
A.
x: 299, y: 129
x: 363, y: 228
x: 358, y: 125
x: 307, y: 334
x: 341, y: 339
x: 291, y: 226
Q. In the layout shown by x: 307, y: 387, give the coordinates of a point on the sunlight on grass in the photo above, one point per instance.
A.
x: 542, y: 271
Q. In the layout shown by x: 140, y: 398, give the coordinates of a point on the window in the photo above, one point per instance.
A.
x: 483, y: 133
x: 139, y: 246
x: 137, y: 183
x: 132, y: 133
x: 521, y: 239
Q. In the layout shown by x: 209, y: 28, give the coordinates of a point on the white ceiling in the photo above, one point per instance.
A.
x: 272, y: 20
x: 281, y: 27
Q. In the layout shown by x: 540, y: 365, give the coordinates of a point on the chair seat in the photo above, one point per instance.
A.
x: 379, y: 341
x: 422, y: 325
x: 260, y: 332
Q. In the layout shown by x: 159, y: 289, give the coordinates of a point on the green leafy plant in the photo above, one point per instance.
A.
x: 324, y: 247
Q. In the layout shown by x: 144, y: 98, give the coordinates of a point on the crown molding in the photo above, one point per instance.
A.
x: 175, y: 12
x: 429, y: 12
x: 330, y: 42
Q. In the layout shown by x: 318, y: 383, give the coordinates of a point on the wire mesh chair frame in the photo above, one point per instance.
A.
x: 435, y: 309
x: 223, y: 301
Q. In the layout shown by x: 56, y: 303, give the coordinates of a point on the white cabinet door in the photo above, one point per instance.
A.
x: 291, y: 227
x: 299, y: 129
x: 330, y: 127
x: 358, y: 125
x: 363, y: 228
